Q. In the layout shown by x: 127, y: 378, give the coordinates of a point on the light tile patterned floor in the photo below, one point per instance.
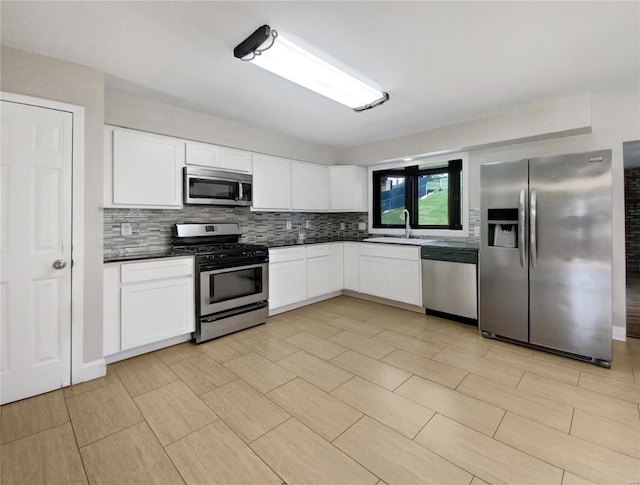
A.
x: 342, y: 391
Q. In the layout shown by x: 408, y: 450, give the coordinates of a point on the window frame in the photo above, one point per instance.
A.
x: 458, y: 215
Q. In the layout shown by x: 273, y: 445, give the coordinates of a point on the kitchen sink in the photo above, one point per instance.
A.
x: 398, y: 240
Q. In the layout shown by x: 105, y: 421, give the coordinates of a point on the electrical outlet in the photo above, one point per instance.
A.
x: 307, y: 225
x: 288, y: 225
x: 125, y: 229
x: 342, y: 226
x: 362, y: 226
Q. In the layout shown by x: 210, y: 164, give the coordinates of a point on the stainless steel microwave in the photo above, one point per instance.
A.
x: 216, y: 187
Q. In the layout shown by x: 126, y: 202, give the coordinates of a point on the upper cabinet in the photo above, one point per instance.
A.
x: 348, y: 188
x: 142, y: 170
x: 288, y: 185
x: 309, y: 187
x: 271, y: 183
x: 215, y: 156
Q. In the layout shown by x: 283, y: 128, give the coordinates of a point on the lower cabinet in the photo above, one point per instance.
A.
x: 318, y: 270
x: 351, y: 266
x: 156, y: 311
x: 146, y: 302
x: 336, y: 264
x: 287, y: 276
x: 300, y: 273
x: 371, y: 276
x: 390, y: 272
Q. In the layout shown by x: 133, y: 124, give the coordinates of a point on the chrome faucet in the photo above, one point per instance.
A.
x: 407, y: 228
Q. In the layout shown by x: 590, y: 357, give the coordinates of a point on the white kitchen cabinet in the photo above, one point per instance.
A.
x: 351, y: 266
x: 142, y: 170
x: 111, y: 309
x: 390, y: 272
x: 309, y: 187
x: 336, y: 264
x: 202, y: 154
x: 219, y: 157
x: 236, y: 160
x: 318, y: 270
x: 348, y: 188
x: 287, y: 276
x: 146, y: 302
x: 372, y: 275
x: 156, y: 310
x: 405, y: 282
x: 271, y: 183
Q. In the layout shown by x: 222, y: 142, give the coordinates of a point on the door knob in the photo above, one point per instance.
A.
x: 59, y: 264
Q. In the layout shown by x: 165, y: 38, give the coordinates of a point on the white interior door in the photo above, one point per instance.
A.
x: 35, y: 239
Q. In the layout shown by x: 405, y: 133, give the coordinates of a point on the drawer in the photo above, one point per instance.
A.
x: 157, y: 269
x: 317, y: 250
x: 390, y: 251
x: 286, y: 254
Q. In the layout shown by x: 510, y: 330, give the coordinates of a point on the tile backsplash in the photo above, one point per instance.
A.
x: 152, y: 229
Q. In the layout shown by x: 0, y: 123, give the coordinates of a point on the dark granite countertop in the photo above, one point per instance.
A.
x: 140, y: 255
x: 166, y: 253
x: 453, y: 245
x: 444, y: 244
x: 310, y: 240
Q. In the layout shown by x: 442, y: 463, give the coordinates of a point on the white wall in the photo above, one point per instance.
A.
x: 45, y: 77
x: 613, y: 120
x: 142, y: 114
x: 555, y: 118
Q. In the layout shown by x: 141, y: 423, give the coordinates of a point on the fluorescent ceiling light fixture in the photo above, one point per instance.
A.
x: 291, y: 62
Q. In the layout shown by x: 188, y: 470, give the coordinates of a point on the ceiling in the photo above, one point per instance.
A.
x: 441, y: 62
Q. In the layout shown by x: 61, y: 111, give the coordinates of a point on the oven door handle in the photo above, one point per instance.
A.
x: 233, y: 268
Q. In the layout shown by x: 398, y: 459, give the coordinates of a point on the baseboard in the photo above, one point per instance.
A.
x: 619, y: 333
x: 143, y: 349
x: 300, y: 304
x: 93, y: 370
x: 355, y: 294
x: 384, y: 301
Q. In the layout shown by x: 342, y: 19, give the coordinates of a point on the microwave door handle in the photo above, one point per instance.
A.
x: 206, y: 177
x: 240, y: 194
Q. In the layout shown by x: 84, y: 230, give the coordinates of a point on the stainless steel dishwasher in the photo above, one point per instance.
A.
x: 449, y: 282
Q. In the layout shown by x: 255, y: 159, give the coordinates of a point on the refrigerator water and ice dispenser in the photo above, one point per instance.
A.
x: 503, y: 228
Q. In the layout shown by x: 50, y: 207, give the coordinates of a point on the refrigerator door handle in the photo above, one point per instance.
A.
x: 533, y: 244
x: 521, y: 229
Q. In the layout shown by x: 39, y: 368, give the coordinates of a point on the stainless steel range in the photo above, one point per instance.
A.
x: 232, y: 279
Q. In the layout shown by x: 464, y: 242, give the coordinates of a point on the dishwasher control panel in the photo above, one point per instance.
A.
x: 456, y: 255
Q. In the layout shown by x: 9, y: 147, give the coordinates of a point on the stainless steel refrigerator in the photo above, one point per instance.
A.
x: 545, y: 254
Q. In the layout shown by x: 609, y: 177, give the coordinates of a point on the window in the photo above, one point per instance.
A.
x: 430, y: 194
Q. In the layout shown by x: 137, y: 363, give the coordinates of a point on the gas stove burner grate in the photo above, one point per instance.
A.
x: 215, y: 248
